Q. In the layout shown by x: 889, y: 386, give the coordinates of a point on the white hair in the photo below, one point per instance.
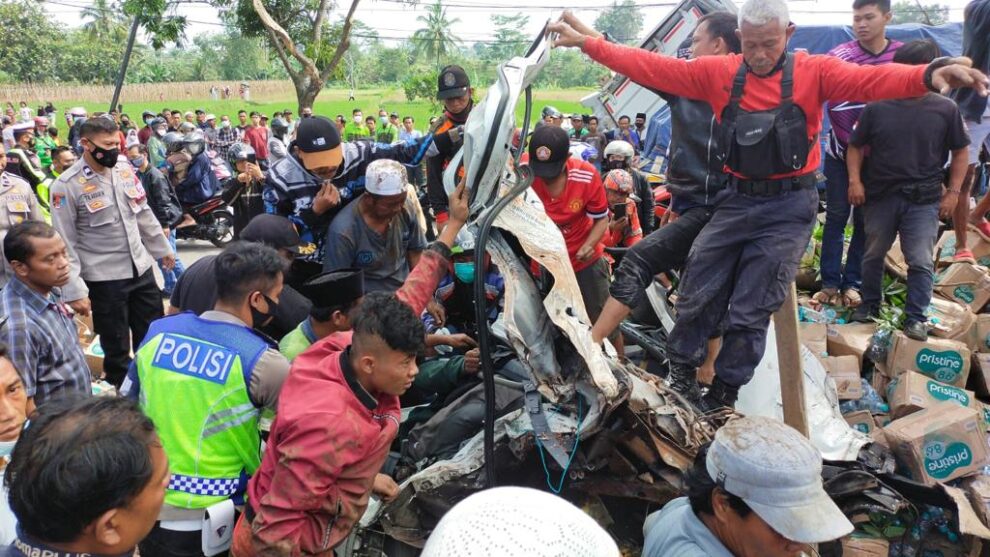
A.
x: 762, y: 12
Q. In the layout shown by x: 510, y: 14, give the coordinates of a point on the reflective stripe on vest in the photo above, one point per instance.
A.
x: 194, y: 375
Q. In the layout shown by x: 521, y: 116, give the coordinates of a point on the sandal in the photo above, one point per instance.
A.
x: 964, y: 256
x: 851, y: 298
x: 827, y: 296
x: 982, y: 228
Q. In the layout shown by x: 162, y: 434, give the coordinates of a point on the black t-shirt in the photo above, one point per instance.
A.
x: 909, y: 142
x: 196, y: 291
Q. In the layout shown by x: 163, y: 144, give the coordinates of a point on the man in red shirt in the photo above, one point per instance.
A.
x: 338, y: 414
x: 256, y: 136
x: 573, y: 197
x: 769, y: 107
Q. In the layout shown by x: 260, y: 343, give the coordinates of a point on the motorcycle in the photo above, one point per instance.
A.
x: 214, y: 223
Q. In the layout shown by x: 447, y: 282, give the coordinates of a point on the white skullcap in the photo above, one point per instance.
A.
x: 385, y: 177
x: 518, y: 522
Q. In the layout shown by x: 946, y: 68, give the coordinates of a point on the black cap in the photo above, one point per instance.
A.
x: 334, y: 288
x: 274, y: 231
x: 548, y: 151
x: 641, y: 115
x: 319, y: 135
x: 200, y: 111
x: 452, y: 82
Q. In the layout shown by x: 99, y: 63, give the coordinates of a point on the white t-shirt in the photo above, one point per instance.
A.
x: 8, y: 522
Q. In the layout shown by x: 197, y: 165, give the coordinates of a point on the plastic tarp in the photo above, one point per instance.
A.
x: 830, y: 433
x: 816, y: 39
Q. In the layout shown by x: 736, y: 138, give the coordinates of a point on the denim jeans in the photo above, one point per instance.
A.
x: 917, y: 226
x: 171, y: 277
x: 836, y: 216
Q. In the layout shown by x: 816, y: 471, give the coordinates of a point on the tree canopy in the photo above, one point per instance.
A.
x: 911, y: 11
x: 623, y: 21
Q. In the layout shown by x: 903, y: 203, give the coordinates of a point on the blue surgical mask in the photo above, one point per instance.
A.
x: 464, y: 271
x: 7, y: 447
x: 137, y: 163
x: 147, y: 121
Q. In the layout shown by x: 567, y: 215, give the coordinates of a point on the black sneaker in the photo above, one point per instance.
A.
x: 916, y: 330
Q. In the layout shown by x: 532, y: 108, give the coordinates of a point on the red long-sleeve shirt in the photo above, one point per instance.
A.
x: 329, y: 440
x: 817, y: 79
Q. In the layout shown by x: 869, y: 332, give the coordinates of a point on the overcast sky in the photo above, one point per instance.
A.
x: 394, y: 19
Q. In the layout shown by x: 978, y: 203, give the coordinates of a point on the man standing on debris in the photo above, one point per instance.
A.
x: 841, y: 284
x: 744, y: 497
x: 694, y: 177
x: 903, y: 195
x: 769, y: 105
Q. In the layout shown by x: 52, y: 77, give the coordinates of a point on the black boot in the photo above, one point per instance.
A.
x: 720, y: 395
x: 683, y: 379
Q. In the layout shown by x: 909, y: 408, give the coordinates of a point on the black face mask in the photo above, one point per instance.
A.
x: 260, y: 318
x: 617, y: 165
x: 106, y: 158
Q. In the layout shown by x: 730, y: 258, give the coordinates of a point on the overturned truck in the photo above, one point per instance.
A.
x: 567, y: 416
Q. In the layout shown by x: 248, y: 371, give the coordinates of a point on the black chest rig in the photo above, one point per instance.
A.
x: 763, y: 143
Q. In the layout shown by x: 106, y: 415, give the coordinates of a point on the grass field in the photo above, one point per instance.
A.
x: 330, y: 103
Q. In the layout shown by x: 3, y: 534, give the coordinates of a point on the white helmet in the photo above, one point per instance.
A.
x: 620, y: 147
x: 518, y: 522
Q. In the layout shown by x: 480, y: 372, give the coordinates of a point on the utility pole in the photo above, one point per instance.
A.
x: 123, y: 63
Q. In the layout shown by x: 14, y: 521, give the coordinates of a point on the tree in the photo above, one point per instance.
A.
x: 509, y: 41
x: 914, y: 11
x: 105, y: 21
x: 435, y: 40
x: 26, y: 54
x: 622, y: 21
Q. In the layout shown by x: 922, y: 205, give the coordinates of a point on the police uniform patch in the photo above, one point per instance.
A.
x: 90, y: 187
x: 543, y: 153
x: 96, y: 205
x: 17, y: 207
x: 81, y: 179
x: 57, y: 200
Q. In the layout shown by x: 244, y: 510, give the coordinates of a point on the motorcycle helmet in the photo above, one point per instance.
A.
x: 551, y: 111
x: 187, y: 127
x: 173, y: 142
x: 195, y: 142
x: 240, y: 152
x: 279, y: 128
x: 620, y: 147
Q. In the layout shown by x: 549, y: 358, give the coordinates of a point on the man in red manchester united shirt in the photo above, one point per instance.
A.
x: 769, y: 107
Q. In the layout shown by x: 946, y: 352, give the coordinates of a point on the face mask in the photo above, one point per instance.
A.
x: 106, y: 158
x: 224, y: 124
x: 7, y: 447
x: 137, y: 163
x: 160, y: 131
x: 617, y: 165
x: 464, y: 272
x: 357, y: 119
x: 383, y: 120
x: 260, y: 319
x: 147, y: 121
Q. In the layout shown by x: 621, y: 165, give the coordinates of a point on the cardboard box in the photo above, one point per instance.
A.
x: 94, y: 357
x: 861, y: 421
x: 944, y: 360
x: 977, y: 490
x: 965, y: 283
x: 945, y: 249
x: 813, y: 336
x: 912, y: 392
x: 950, y: 319
x: 864, y: 547
x: 940, y: 443
x: 852, y: 339
x: 844, y: 370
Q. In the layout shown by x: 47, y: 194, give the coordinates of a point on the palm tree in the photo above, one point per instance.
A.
x: 435, y: 40
x: 105, y: 21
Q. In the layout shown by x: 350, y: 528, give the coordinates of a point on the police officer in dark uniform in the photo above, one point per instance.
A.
x: 454, y: 89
